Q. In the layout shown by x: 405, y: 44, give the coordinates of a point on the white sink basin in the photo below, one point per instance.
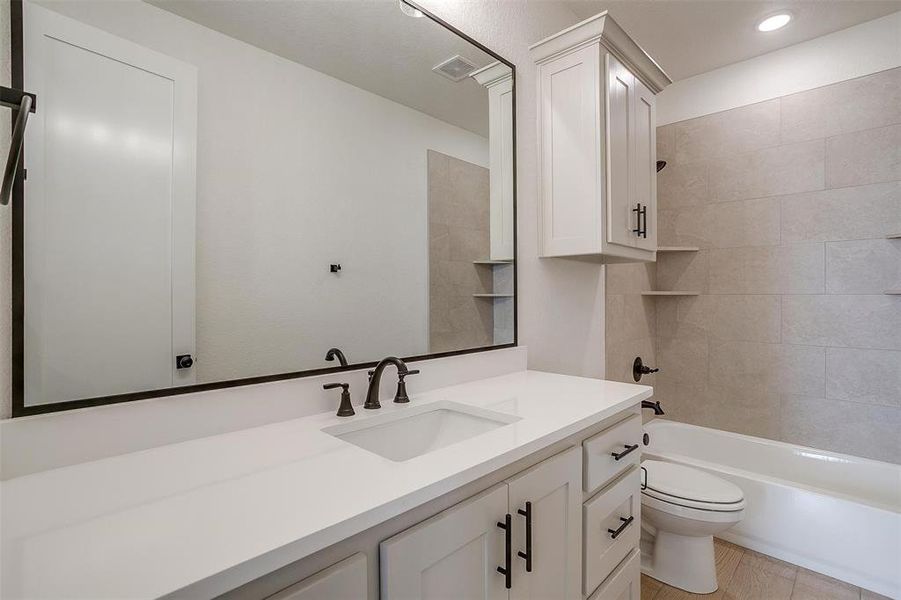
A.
x: 417, y: 430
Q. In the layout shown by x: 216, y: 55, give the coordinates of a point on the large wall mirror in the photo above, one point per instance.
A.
x: 220, y: 192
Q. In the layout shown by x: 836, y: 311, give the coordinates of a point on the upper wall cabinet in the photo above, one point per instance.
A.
x: 597, y: 146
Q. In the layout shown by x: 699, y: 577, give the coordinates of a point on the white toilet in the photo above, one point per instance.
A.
x: 682, y: 509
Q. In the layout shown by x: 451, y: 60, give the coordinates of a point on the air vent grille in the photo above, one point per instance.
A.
x: 455, y: 68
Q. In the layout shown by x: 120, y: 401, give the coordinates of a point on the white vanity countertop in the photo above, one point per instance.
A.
x: 216, y: 512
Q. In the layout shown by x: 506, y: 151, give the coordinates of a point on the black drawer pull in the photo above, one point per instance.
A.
x: 617, y: 456
x: 614, y: 533
x: 506, y: 570
x: 527, y: 555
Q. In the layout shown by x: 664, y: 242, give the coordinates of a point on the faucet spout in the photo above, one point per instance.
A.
x: 655, y: 406
x: 334, y: 353
x: 372, y: 394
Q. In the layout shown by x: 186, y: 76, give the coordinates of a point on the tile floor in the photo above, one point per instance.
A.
x: 747, y: 575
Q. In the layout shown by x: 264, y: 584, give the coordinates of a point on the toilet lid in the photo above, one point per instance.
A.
x: 686, y: 486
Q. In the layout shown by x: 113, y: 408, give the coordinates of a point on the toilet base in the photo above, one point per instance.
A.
x: 681, y: 561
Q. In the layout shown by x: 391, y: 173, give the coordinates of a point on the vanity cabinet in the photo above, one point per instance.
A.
x: 597, y: 143
x: 529, y: 525
x: 346, y: 579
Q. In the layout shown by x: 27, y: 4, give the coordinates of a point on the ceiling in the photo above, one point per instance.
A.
x: 368, y: 43
x: 687, y: 37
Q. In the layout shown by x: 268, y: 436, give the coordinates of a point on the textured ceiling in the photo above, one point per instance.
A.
x: 688, y: 37
x: 368, y: 43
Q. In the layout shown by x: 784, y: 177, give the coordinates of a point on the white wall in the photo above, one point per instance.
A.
x: 561, y: 302
x: 854, y: 52
x: 297, y: 170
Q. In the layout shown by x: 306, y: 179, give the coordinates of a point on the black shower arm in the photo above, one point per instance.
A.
x: 24, y: 103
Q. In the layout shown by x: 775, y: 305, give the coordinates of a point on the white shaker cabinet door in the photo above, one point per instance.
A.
x: 621, y: 220
x: 644, y: 163
x: 345, y: 580
x: 548, y: 499
x: 453, y: 555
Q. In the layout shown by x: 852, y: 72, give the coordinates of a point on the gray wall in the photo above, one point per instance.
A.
x: 792, y: 337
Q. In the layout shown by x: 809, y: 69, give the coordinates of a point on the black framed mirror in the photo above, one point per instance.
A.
x: 215, y: 194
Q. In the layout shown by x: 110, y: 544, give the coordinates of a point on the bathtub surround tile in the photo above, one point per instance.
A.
x: 845, y: 427
x: 730, y: 132
x: 802, y: 371
x: 685, y: 359
x: 684, y: 227
x: 683, y: 271
x: 866, y: 376
x: 854, y: 213
x: 666, y: 143
x: 630, y: 317
x: 842, y: 321
x: 863, y: 157
x: 749, y: 318
x: 630, y: 278
x: 814, y: 586
x: 863, y: 266
x: 745, y: 369
x: 854, y: 105
x: 754, y: 222
x: 769, y: 172
x: 622, y: 353
x: 682, y: 184
x: 786, y: 269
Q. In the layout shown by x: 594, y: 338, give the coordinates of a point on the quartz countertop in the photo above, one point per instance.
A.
x: 210, y: 514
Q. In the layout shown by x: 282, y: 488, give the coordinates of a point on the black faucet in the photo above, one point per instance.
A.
x: 372, y: 394
x: 655, y: 406
x: 334, y: 353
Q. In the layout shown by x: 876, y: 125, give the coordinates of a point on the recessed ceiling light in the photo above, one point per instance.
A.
x: 409, y: 10
x: 774, y: 22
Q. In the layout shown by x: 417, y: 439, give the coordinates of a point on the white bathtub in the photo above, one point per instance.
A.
x: 832, y: 513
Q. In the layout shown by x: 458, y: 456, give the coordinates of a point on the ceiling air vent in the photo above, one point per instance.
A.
x: 455, y: 68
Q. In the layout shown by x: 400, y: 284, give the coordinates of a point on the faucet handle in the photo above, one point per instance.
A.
x: 346, y: 409
x: 401, y: 396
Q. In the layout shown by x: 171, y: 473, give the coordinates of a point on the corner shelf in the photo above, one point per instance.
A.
x: 505, y: 261
x: 686, y: 293
x: 892, y: 292
x: 492, y: 295
x: 893, y: 236
x: 678, y: 249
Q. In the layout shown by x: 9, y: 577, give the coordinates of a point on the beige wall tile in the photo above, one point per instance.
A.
x: 746, y: 223
x: 684, y: 318
x: 802, y: 371
x: 870, y: 211
x: 862, y: 103
x: 863, y: 157
x: 666, y: 142
x: 745, y: 369
x: 846, y: 427
x: 842, y: 321
x: 727, y: 133
x: 621, y: 354
x: 749, y: 318
x: 787, y: 269
x: 863, y: 267
x: 630, y: 317
x: 685, y: 227
x: 682, y: 184
x: 867, y: 376
x: 630, y: 278
x: 683, y: 271
x: 682, y: 360
x: 768, y: 172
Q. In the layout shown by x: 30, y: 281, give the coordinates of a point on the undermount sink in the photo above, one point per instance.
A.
x: 417, y: 430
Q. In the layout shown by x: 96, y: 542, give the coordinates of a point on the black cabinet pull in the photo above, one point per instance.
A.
x: 527, y: 555
x: 506, y: 570
x: 614, y: 533
x: 641, y: 220
x: 617, y: 456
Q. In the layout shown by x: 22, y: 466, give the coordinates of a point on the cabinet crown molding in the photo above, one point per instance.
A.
x: 493, y: 74
x: 602, y: 29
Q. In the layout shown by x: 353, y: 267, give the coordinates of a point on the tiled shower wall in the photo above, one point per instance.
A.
x: 792, y: 203
x: 458, y: 235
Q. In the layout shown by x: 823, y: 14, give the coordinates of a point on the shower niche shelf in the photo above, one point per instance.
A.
x: 678, y: 249
x: 659, y: 294
x: 492, y: 295
x: 892, y: 292
x: 893, y: 236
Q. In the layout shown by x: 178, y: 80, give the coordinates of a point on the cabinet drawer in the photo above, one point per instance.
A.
x: 598, y: 461
x: 625, y: 583
x: 611, y: 522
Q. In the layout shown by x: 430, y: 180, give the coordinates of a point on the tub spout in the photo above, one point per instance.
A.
x: 655, y: 406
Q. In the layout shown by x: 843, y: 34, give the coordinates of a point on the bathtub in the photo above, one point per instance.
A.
x: 832, y: 513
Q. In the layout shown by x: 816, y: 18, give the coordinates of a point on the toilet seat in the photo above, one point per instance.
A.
x: 686, y: 487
